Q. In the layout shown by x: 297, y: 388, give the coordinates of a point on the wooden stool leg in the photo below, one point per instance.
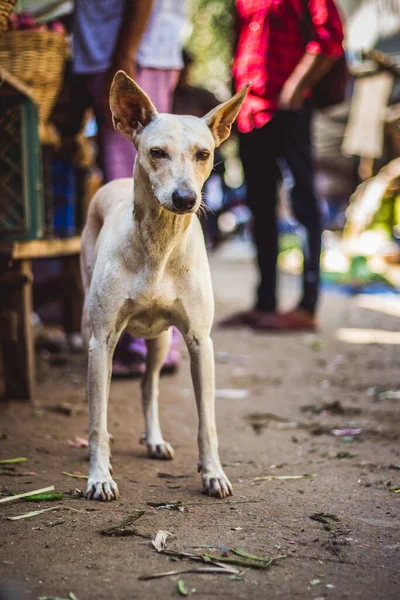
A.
x: 18, y: 347
x: 72, y: 294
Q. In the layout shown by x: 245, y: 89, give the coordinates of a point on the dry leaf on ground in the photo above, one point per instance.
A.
x: 159, y: 542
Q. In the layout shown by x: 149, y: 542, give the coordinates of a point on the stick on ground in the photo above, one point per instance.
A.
x: 27, y: 494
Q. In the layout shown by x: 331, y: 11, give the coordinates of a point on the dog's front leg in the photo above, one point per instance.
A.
x: 100, y: 486
x: 157, y: 350
x: 201, y: 351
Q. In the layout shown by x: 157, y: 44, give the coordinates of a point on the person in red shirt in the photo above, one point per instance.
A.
x: 284, y: 47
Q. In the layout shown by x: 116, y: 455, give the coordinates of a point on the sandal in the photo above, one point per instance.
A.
x: 295, y: 320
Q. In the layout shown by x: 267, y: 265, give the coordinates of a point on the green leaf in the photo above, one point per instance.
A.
x: 181, y: 588
x: 245, y: 554
x: 11, y: 461
x: 45, y: 497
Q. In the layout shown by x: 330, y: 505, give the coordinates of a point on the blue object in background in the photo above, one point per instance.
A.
x: 64, y: 198
x: 372, y: 288
x: 90, y: 129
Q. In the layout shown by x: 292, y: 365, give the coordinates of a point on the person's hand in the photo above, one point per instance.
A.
x: 120, y: 63
x: 291, y: 96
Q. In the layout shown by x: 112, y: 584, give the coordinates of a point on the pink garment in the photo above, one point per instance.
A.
x: 117, y: 153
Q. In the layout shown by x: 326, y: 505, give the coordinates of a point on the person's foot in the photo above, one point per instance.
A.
x: 300, y: 319
x: 239, y: 319
x: 134, y: 367
x: 268, y: 321
x: 297, y: 319
x: 129, y: 358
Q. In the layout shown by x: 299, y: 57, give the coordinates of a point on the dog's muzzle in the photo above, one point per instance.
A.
x: 184, y: 199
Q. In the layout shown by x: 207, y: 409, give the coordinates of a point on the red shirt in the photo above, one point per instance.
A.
x: 271, y: 42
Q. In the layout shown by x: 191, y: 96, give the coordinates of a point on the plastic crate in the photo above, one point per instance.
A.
x: 21, y: 188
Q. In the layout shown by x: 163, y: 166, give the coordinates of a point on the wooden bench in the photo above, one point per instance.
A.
x: 16, y: 306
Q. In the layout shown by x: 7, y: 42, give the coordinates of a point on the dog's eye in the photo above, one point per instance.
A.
x: 202, y: 155
x: 158, y: 153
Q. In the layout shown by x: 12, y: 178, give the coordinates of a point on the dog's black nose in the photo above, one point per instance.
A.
x: 184, y: 198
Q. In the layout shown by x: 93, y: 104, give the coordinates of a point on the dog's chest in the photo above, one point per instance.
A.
x: 150, y: 305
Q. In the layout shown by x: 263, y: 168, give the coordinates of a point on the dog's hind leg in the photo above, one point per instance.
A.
x: 201, y: 351
x: 157, y: 350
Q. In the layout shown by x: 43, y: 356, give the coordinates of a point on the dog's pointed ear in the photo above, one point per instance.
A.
x: 221, y: 118
x: 131, y: 107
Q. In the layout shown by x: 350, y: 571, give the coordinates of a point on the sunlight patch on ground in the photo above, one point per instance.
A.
x: 368, y: 336
x: 382, y: 304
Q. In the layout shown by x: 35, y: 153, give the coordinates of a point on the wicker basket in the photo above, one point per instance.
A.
x: 37, y: 58
x: 6, y: 7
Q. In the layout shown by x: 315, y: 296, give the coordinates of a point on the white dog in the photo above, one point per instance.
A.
x: 144, y: 267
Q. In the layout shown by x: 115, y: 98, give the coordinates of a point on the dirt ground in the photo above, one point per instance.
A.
x: 355, y: 556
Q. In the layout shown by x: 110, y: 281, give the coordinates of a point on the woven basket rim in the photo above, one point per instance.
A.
x: 7, y: 5
x: 30, y: 32
x: 37, y: 58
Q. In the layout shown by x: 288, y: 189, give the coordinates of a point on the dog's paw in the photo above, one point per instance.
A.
x: 163, y: 450
x: 216, y: 483
x: 101, y: 488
